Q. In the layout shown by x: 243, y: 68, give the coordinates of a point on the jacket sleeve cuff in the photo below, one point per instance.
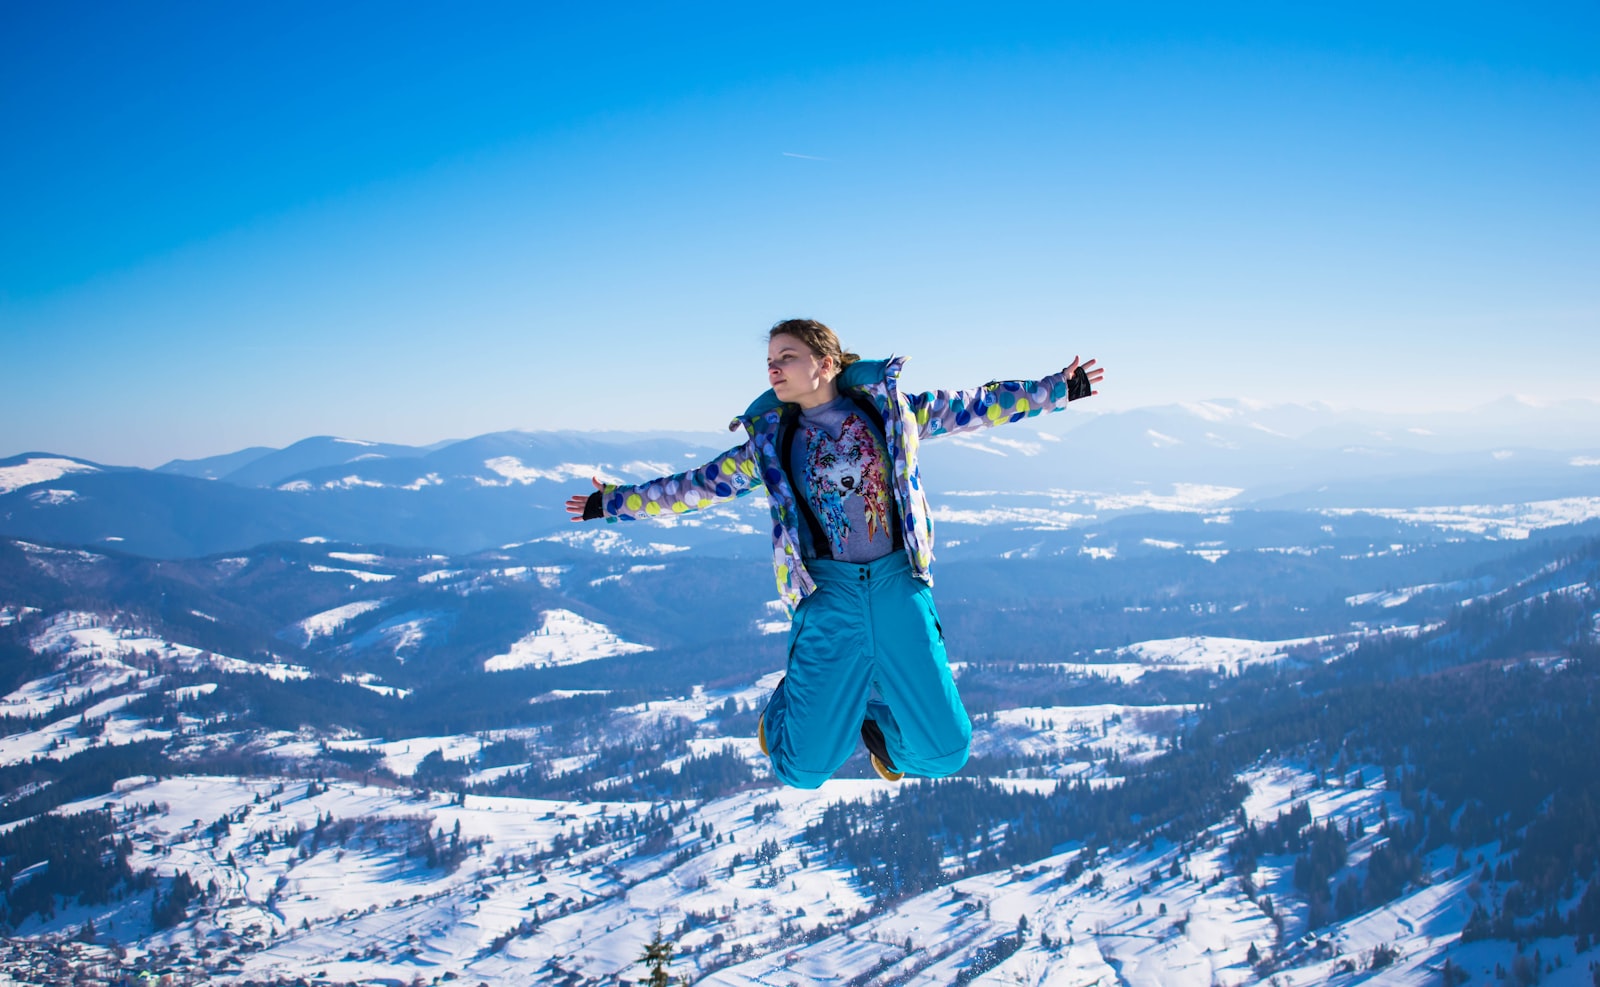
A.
x: 591, y: 508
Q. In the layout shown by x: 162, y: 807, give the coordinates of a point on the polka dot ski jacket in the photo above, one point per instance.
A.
x: 907, y: 419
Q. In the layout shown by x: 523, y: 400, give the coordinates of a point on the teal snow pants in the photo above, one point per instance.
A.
x: 867, y: 628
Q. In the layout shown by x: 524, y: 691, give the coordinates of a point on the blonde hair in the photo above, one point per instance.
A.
x: 822, y: 341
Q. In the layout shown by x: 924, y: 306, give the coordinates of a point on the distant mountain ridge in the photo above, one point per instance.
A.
x: 263, y: 466
x: 216, y: 467
x: 501, y: 487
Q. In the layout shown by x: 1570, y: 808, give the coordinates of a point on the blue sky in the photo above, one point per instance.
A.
x: 233, y: 224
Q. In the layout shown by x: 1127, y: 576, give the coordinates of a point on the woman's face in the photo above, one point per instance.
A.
x: 795, y: 371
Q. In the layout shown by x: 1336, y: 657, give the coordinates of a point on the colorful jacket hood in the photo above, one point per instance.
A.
x: 907, y: 420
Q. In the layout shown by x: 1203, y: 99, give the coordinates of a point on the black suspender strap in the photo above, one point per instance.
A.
x: 819, y: 539
x: 868, y: 408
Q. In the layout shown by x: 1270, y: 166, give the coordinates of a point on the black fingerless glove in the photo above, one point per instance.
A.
x: 592, y: 509
x: 1078, y: 385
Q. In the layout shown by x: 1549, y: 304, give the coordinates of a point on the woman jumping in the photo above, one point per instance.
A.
x: 834, y: 442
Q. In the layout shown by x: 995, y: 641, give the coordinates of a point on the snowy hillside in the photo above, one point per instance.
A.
x: 563, y: 638
x: 27, y: 471
x: 1212, y: 744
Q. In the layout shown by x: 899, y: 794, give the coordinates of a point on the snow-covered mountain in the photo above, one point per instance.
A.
x: 1223, y: 733
x: 505, y: 487
x: 354, y: 764
x: 36, y: 469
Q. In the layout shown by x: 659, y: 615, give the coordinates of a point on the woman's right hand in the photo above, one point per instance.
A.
x: 577, y: 502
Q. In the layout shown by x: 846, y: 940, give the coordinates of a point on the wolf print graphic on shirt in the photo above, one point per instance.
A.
x: 838, y: 472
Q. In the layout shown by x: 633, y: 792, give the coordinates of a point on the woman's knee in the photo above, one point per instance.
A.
x: 942, y: 765
x: 795, y: 778
x: 952, y: 733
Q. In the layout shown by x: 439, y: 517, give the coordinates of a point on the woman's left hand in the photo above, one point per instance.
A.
x: 1094, y: 373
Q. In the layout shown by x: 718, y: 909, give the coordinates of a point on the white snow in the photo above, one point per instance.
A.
x: 602, y: 540
x: 1022, y: 446
x: 555, y: 694
x: 1198, y: 653
x: 618, y: 577
x: 360, y: 558
x: 365, y: 907
x: 39, y: 470
x: 344, y: 483
x: 975, y: 443
x: 1208, y: 410
x: 1388, y: 598
x: 563, y: 638
x: 1056, y: 730
x: 549, y: 576
x: 647, y: 469
x: 45, y: 552
x: 514, y: 471
x: 403, y: 756
x: 331, y: 621
x: 369, y: 681
x: 401, y: 635
x: 1183, y: 497
x: 280, y: 670
x: 775, y: 620
x: 1027, y: 518
x: 1201, y: 652
x: 366, y: 577
x: 11, y: 614
x: 187, y: 692
x: 100, y: 649
x: 1506, y: 521
x: 608, y: 542
x: 53, y: 497
x: 1121, y: 671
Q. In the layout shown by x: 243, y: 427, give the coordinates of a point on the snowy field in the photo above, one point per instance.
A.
x: 330, y: 621
x: 1504, y: 521
x: 357, y: 882
x: 549, y: 888
x: 562, y: 638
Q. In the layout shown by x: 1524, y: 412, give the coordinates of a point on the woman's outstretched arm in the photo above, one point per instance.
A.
x: 1001, y: 401
x: 732, y: 474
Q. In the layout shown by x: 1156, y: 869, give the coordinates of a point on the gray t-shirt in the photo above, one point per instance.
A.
x: 840, y: 465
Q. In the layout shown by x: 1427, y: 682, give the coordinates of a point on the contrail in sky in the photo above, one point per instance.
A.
x: 807, y: 157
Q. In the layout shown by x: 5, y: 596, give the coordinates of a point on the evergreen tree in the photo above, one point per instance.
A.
x: 657, y: 954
